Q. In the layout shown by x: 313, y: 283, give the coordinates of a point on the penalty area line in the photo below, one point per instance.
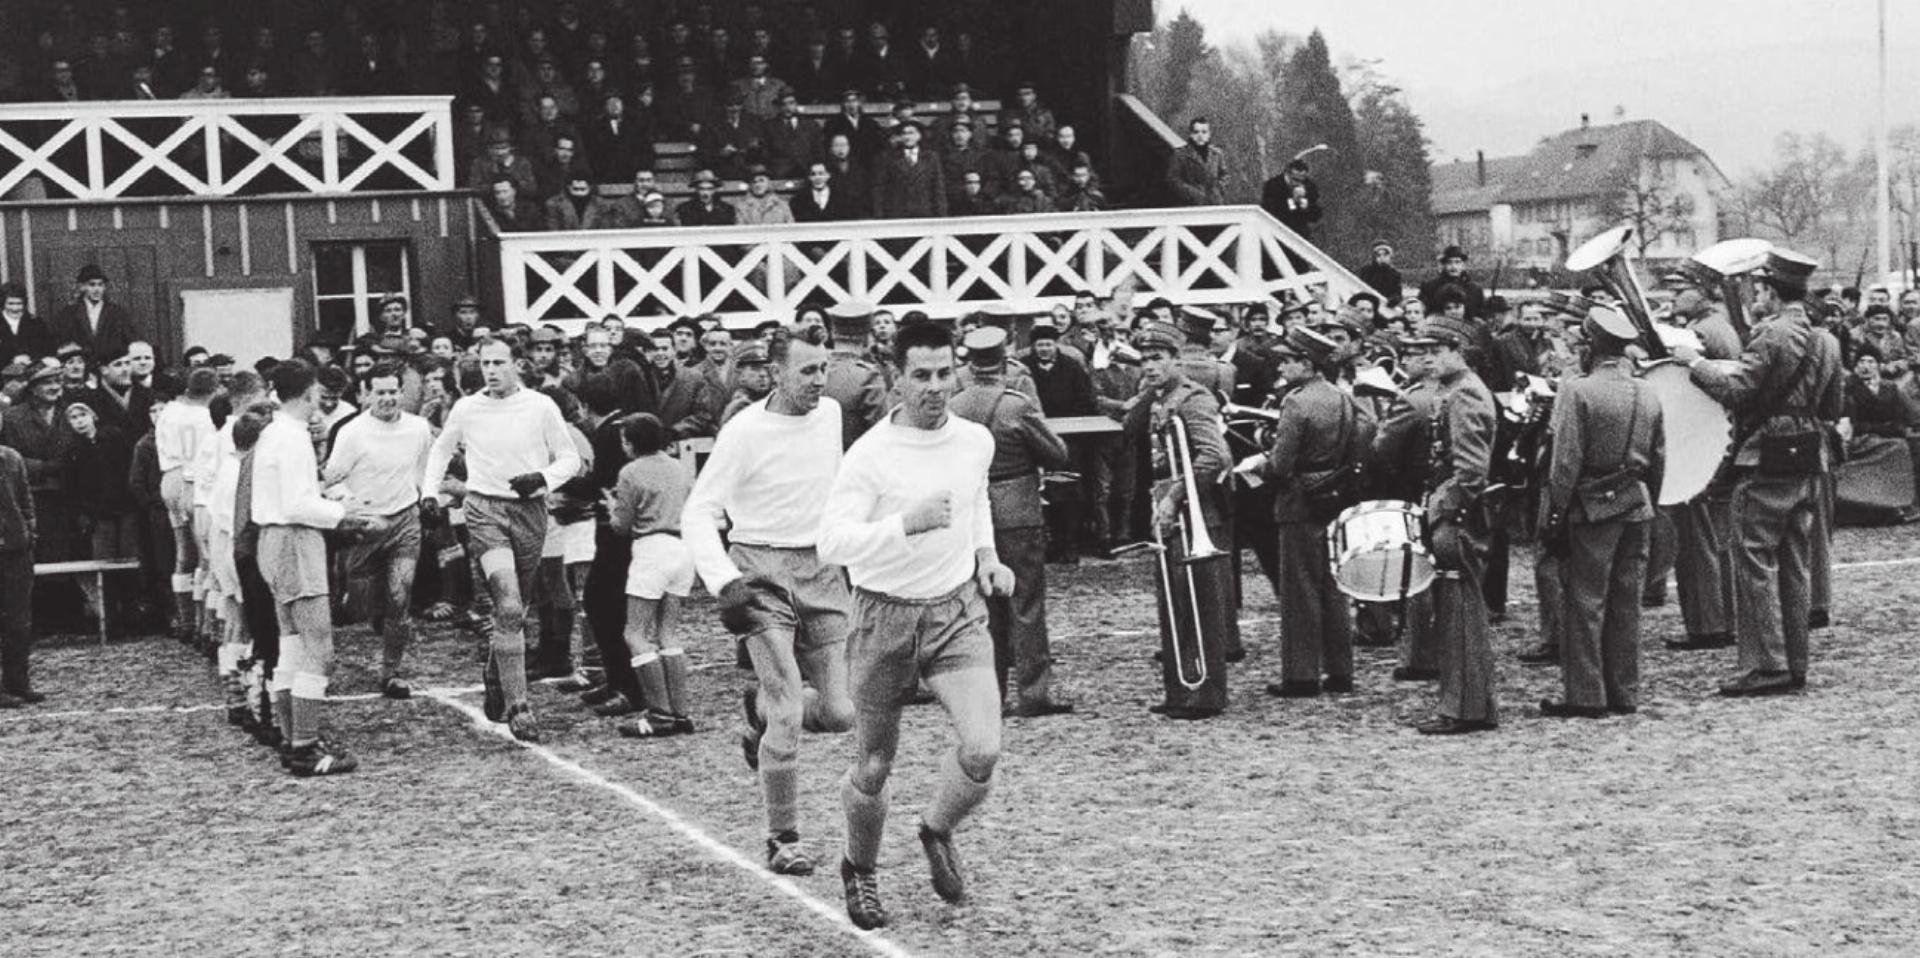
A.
x: 694, y: 834
x: 1877, y: 563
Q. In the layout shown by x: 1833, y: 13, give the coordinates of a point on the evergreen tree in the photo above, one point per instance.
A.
x: 1398, y: 184
x: 1186, y: 50
x: 1313, y: 110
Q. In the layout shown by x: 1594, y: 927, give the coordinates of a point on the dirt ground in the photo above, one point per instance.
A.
x: 136, y: 823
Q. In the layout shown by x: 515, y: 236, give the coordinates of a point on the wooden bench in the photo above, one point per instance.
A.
x: 98, y: 568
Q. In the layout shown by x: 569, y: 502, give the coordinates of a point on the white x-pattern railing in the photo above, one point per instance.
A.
x: 111, y: 150
x: 946, y: 267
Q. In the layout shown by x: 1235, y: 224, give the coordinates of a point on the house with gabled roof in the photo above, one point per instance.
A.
x: 1530, y: 210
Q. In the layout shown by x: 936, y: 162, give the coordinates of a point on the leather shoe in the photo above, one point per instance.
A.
x: 1758, y: 683
x: 28, y: 696
x: 1294, y: 689
x: 615, y: 705
x: 1797, y: 679
x: 7, y: 701
x: 1623, y: 709
x: 1692, y: 642
x: 1236, y: 655
x: 1445, y: 725
x: 1405, y: 674
x: 1551, y: 709
x: 1337, y: 684
x: 1542, y: 654
x: 1819, y: 619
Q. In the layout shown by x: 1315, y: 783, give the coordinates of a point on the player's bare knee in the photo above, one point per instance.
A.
x: 870, y: 772
x: 978, y: 759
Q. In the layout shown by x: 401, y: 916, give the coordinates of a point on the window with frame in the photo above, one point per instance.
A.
x: 350, y: 279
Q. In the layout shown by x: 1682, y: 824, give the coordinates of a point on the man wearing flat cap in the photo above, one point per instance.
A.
x: 1461, y: 456
x: 1381, y: 275
x: 752, y: 377
x: 853, y: 382
x: 1784, y: 389
x: 1608, y: 440
x: 908, y: 181
x: 93, y: 321
x: 1453, y: 272
x: 1319, y: 441
x: 1023, y: 446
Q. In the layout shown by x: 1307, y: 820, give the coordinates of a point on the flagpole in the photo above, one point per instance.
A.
x: 1883, y: 195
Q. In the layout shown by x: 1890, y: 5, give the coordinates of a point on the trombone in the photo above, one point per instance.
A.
x: 1198, y: 546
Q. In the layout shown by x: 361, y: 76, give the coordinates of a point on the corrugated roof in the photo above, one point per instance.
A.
x: 1574, y: 164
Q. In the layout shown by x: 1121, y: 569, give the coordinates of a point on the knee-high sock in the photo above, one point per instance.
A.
x: 780, y: 790
x: 675, y: 663
x: 309, y: 699
x: 866, y: 820
x: 956, y: 796
x: 653, y: 683
x: 511, y: 624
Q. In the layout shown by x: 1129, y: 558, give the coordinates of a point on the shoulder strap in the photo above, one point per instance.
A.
x: 1778, y: 403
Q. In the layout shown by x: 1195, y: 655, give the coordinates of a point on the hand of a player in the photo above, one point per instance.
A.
x: 933, y: 512
x: 739, y: 601
x: 528, y: 485
x: 994, y: 579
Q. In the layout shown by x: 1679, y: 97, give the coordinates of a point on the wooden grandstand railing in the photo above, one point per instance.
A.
x: 945, y: 267
x: 111, y: 150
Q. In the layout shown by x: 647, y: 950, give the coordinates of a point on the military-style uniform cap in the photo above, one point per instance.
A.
x: 1607, y: 321
x: 750, y: 352
x: 1198, y: 321
x: 1158, y: 335
x: 986, y: 347
x: 1788, y: 267
x: 851, y: 318
x: 1440, y: 330
x: 1304, y: 343
x: 1043, y: 328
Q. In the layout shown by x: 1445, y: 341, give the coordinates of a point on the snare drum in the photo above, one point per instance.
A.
x: 1377, y: 553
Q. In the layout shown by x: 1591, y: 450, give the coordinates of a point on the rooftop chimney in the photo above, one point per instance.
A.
x: 1481, y: 168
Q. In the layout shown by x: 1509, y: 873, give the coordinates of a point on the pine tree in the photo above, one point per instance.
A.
x: 1313, y: 110
x: 1187, y: 49
x: 1398, y: 184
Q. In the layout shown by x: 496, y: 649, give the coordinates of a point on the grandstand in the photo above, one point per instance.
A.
x: 255, y: 179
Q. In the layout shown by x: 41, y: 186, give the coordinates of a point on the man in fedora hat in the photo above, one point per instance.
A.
x: 1786, y: 387
x: 908, y: 181
x: 1461, y: 456
x: 1320, y: 438
x: 91, y: 321
x: 1607, y: 445
x: 706, y: 208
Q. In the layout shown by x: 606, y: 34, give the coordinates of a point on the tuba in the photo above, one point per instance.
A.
x: 1724, y: 263
x: 1698, y: 430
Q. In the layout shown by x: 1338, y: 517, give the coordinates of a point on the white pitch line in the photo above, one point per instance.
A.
x: 715, y: 848
x: 1878, y: 563
x: 28, y: 714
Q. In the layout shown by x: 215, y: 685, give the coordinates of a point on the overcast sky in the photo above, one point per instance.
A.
x: 1500, y: 74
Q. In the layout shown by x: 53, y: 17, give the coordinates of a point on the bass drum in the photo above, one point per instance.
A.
x: 1699, y: 432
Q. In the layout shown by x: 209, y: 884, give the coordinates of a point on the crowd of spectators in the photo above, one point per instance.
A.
x: 549, y: 96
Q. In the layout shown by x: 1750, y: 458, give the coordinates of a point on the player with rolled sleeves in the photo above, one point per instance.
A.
x: 910, y: 518
x: 517, y: 447
x: 768, y: 476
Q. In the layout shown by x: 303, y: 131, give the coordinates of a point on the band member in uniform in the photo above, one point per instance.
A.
x: 1023, y: 445
x: 1703, y: 527
x: 1462, y: 449
x: 1197, y: 361
x: 1397, y: 469
x: 1317, y: 444
x: 769, y: 475
x: 853, y: 382
x: 1784, y: 387
x: 1607, y: 443
x: 1171, y: 395
x: 909, y: 517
